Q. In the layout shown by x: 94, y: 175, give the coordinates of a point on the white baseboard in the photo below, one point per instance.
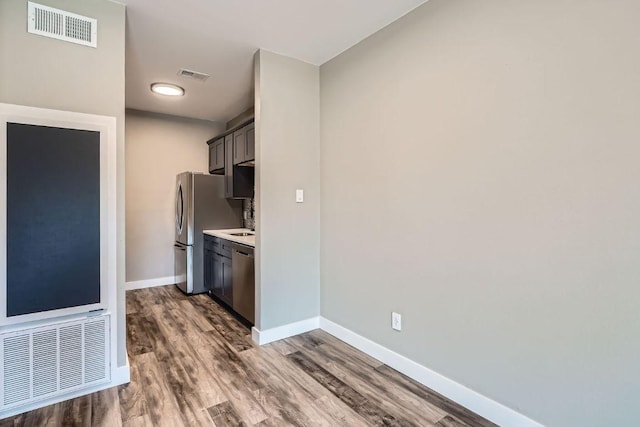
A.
x: 121, y: 375
x: 150, y: 283
x: 286, y: 331
x: 481, y: 405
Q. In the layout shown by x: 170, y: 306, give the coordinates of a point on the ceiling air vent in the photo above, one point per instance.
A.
x: 59, y: 24
x: 189, y: 74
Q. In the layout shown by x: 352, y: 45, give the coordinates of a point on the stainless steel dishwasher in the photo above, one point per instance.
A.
x: 243, y: 281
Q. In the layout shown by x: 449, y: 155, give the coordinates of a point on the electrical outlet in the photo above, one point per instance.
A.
x: 299, y: 196
x: 396, y: 321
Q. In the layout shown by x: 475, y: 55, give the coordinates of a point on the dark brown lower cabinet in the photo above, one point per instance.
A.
x: 224, y: 279
x: 229, y: 274
x: 218, y: 270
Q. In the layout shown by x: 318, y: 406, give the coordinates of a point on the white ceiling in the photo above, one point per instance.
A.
x: 219, y: 37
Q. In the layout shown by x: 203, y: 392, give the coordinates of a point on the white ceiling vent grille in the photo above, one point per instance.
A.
x: 39, y: 363
x: 195, y: 75
x: 59, y: 24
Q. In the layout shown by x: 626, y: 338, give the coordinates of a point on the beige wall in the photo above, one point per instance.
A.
x: 158, y: 148
x: 480, y: 176
x: 43, y: 72
x: 287, y: 158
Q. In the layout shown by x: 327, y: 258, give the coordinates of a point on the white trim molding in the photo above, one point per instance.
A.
x: 106, y: 126
x: 121, y: 375
x: 474, y: 401
x: 285, y: 331
x: 150, y: 283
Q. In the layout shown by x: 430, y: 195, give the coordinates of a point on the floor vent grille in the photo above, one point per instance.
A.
x: 42, y: 362
x: 61, y: 25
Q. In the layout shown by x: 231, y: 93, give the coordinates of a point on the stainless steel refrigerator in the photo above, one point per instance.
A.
x: 200, y: 205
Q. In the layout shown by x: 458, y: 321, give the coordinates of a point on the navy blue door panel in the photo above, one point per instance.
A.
x: 53, y: 218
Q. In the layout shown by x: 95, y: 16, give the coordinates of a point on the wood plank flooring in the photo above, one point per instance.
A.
x: 193, y: 364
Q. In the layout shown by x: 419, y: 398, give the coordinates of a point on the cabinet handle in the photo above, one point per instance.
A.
x: 242, y: 253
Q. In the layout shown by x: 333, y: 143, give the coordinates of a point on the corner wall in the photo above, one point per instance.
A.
x: 287, y: 158
x: 480, y: 176
x: 47, y: 73
x: 158, y: 147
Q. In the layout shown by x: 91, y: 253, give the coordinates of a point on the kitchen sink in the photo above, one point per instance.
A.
x: 241, y: 234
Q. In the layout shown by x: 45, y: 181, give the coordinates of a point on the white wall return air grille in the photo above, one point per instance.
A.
x: 47, y: 361
x: 62, y: 25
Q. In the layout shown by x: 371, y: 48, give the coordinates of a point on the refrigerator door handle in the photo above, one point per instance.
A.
x: 179, y: 209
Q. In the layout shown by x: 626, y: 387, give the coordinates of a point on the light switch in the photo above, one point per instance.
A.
x: 396, y: 321
x: 299, y: 196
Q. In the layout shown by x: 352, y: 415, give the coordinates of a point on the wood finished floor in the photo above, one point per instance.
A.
x: 192, y: 364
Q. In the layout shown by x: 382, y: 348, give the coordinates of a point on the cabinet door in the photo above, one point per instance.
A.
x: 205, y: 265
x: 250, y: 143
x: 239, y: 146
x: 216, y: 155
x: 227, y: 284
x: 212, y: 158
x: 217, y: 276
x: 207, y: 254
x: 228, y: 166
x: 219, y: 154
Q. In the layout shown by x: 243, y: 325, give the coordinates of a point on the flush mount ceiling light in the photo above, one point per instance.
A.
x: 167, y: 89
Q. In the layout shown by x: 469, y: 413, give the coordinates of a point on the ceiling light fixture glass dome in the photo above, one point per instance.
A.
x: 167, y: 89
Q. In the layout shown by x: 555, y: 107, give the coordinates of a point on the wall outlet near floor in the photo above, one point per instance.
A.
x: 396, y: 321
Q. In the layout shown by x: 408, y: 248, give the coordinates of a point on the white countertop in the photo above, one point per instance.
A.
x: 226, y: 234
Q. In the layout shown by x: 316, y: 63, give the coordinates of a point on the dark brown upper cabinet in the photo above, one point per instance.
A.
x: 239, y: 180
x: 232, y: 154
x: 250, y: 143
x: 244, y: 143
x: 216, y: 157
